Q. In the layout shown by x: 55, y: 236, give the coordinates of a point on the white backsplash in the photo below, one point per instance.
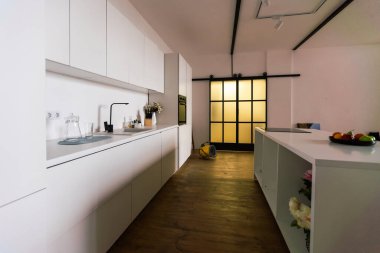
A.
x: 90, y: 101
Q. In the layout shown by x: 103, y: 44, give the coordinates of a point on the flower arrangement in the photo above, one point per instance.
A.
x: 150, y: 109
x: 300, y: 211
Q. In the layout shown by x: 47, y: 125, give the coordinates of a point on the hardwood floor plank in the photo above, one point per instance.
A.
x: 208, y: 206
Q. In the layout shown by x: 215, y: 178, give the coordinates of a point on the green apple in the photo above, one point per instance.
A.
x: 367, y: 138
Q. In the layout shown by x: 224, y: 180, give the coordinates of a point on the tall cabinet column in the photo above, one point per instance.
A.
x: 23, y: 147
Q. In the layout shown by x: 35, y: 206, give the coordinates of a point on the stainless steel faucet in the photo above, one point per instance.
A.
x: 109, y: 128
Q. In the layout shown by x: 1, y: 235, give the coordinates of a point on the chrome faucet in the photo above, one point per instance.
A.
x: 109, y: 128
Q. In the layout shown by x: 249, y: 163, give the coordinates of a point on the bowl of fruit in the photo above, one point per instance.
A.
x: 350, y: 138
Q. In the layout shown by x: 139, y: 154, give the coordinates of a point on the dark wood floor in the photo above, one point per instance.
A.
x: 208, y: 206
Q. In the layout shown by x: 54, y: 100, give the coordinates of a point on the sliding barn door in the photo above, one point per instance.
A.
x: 236, y: 108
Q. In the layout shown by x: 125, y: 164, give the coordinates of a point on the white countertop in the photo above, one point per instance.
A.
x: 316, y: 147
x: 57, y: 154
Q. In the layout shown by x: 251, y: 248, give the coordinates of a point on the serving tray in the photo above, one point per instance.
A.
x: 352, y: 142
x: 83, y: 140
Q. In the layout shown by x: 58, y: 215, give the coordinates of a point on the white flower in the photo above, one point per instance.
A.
x: 300, y: 212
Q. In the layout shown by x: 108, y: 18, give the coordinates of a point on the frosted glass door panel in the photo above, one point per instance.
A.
x: 216, y: 91
x: 229, y: 132
x: 259, y: 90
x: 230, y: 111
x: 259, y: 111
x: 216, y: 132
x: 230, y: 90
x: 216, y: 111
x: 245, y: 90
x: 245, y: 133
x: 244, y: 111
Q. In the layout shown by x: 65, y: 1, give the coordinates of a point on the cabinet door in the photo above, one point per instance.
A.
x: 112, y: 218
x: 57, y: 30
x: 22, y: 153
x: 117, y: 41
x: 184, y: 142
x: 136, y: 55
x: 88, y: 35
x: 189, y: 96
x: 182, y: 75
x: 72, y: 193
x: 269, y: 174
x: 169, y: 154
x: 148, y: 183
x: 258, y: 157
x: 153, y: 66
x: 149, y: 59
x: 23, y: 224
x: 160, y: 71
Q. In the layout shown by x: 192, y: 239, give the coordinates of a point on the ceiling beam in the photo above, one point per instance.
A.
x: 236, y: 21
x: 324, y: 22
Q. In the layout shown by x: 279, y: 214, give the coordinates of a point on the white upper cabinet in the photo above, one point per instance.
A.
x: 57, y: 27
x: 182, y: 75
x: 117, y: 41
x: 135, y: 58
x: 88, y: 38
x: 153, y: 66
x: 99, y: 37
x: 189, y: 94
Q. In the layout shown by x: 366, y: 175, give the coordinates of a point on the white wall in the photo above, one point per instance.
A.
x: 339, y: 88
x: 200, y: 112
x: 279, y: 109
x: 90, y: 101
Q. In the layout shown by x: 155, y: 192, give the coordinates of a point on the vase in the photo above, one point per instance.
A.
x: 154, y: 119
x: 147, y: 122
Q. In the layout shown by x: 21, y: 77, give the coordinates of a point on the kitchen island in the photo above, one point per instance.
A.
x: 345, y: 200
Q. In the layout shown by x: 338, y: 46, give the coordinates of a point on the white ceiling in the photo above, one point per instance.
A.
x: 205, y: 26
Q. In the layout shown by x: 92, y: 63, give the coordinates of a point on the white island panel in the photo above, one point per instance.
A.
x: 345, y: 193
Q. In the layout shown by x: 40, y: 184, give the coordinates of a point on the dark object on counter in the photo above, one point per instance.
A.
x: 288, y: 130
x: 309, y: 125
x: 375, y: 134
x: 352, y: 142
x: 109, y: 128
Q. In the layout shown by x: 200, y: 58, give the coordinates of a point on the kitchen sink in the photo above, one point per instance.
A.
x: 131, y: 131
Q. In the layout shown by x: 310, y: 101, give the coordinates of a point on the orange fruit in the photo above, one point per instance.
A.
x: 337, y: 135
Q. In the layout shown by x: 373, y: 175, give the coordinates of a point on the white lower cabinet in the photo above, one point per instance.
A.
x: 72, y: 193
x: 112, y: 218
x: 93, y: 199
x: 185, y: 143
x: 144, y: 187
x: 23, y: 223
x: 148, y: 183
x: 169, y: 154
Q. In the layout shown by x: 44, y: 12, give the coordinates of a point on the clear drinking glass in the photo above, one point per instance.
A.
x: 88, y: 130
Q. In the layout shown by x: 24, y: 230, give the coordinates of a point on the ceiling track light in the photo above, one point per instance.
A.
x: 265, y: 2
x: 279, y: 22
